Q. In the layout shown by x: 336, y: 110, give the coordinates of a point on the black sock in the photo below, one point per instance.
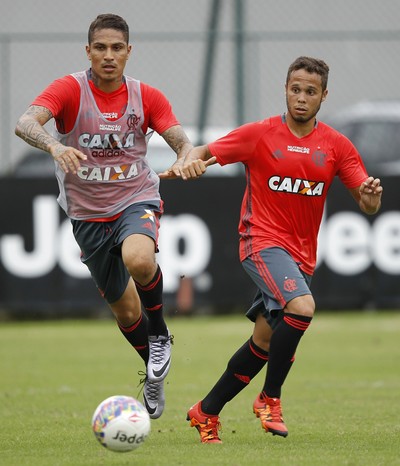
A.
x: 138, y: 337
x: 152, y: 300
x: 282, y: 348
x: 243, y: 366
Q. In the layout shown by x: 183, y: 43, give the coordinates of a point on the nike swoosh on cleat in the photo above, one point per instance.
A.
x: 150, y: 410
x: 162, y: 370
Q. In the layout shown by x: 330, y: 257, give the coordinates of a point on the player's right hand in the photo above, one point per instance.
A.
x: 195, y: 168
x: 67, y: 157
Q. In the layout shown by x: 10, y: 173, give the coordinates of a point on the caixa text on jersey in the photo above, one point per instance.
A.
x: 109, y: 173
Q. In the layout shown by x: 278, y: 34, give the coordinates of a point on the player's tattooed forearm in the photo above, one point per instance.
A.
x: 177, y: 139
x: 44, y: 141
x: 31, y: 130
x: 34, y: 135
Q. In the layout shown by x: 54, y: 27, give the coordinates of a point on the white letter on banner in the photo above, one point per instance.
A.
x: 348, y: 251
x: 193, y: 234
x: 69, y: 253
x: 43, y: 257
x: 386, y: 242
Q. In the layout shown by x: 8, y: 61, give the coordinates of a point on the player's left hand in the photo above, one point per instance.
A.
x: 370, y: 194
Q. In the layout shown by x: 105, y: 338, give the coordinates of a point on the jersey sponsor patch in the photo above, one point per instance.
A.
x: 106, y: 141
x: 299, y: 149
x: 110, y: 173
x: 296, y: 186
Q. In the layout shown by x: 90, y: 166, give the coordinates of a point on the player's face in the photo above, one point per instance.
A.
x: 304, y: 96
x: 108, y: 53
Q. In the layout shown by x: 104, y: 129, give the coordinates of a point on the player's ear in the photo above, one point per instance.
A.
x: 88, y: 52
x: 324, y: 95
x: 130, y: 47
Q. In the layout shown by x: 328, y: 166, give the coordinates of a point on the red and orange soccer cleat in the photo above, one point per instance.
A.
x: 207, y: 426
x: 270, y: 413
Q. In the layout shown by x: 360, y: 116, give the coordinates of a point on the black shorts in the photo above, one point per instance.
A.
x: 101, y: 243
x: 279, y: 280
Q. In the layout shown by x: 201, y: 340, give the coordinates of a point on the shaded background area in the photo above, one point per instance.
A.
x: 231, y: 55
x: 221, y: 63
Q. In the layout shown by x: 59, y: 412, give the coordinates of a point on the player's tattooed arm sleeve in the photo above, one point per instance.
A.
x: 177, y: 139
x: 30, y: 128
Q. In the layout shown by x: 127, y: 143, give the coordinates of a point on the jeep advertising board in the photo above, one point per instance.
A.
x: 40, y: 269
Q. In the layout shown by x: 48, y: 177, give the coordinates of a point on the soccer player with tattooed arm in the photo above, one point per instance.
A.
x: 103, y: 120
x: 290, y: 162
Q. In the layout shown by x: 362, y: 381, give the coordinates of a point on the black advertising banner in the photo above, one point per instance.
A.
x: 40, y: 268
x: 359, y: 255
x: 39, y: 261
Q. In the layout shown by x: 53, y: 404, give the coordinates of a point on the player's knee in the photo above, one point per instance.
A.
x: 127, y: 308
x: 302, y: 305
x: 141, y: 269
x: 125, y: 315
x: 262, y: 341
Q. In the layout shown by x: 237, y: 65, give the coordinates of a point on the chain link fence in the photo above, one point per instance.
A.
x: 220, y: 62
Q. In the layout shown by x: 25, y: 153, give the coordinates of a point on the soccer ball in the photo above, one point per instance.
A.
x: 121, y: 423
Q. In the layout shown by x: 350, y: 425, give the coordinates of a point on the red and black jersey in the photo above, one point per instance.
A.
x: 287, y: 183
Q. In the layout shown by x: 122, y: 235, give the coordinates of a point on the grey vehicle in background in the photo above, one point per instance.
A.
x: 374, y: 128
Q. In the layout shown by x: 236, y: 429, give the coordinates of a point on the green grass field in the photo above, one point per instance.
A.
x: 341, y: 400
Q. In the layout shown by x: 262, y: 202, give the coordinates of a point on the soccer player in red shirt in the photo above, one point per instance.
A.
x: 108, y: 189
x: 290, y: 163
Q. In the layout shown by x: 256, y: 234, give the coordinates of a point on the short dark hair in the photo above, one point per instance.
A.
x: 311, y: 65
x: 109, y: 21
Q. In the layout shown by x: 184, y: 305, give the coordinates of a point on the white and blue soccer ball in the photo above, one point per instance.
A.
x: 121, y: 423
